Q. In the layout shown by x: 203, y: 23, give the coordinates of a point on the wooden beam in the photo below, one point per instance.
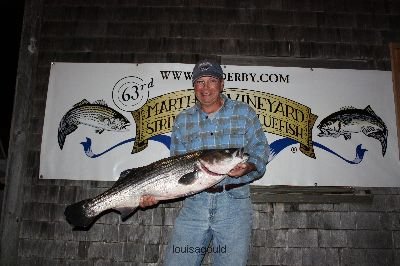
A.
x: 297, y: 62
x: 395, y: 59
x: 305, y: 194
x: 302, y: 189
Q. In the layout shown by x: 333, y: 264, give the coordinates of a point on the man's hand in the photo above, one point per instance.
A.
x: 242, y: 169
x: 147, y: 201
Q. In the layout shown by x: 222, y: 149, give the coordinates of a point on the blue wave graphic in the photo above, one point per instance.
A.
x: 87, y: 145
x: 281, y: 144
x: 276, y: 147
x: 360, y: 152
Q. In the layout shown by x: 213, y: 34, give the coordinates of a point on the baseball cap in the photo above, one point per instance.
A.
x: 207, y: 68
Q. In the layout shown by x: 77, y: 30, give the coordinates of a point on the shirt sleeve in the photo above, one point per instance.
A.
x: 177, y: 146
x: 257, y: 145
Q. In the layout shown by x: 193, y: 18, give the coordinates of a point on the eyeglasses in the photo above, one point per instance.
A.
x: 202, y: 83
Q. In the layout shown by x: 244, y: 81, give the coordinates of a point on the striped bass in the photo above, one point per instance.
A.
x: 169, y: 178
x: 352, y: 120
x: 97, y: 115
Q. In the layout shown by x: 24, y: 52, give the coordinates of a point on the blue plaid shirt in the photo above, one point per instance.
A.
x: 235, y: 125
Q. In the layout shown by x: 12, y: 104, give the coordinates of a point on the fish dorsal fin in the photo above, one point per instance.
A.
x: 83, y: 102
x: 100, y: 102
x: 128, y: 174
x: 344, y: 108
x: 369, y: 110
x: 188, y: 178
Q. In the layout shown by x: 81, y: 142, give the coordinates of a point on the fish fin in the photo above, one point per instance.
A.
x: 130, y: 174
x: 83, y: 102
x: 76, y: 214
x: 369, y: 110
x: 101, y: 102
x: 369, y: 130
x: 125, y: 211
x: 188, y: 178
x: 124, y: 175
x: 105, y: 120
x: 347, y: 136
x: 99, y: 130
x: 63, y: 130
x: 346, y: 108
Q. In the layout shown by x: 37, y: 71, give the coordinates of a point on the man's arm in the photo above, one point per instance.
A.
x: 257, y: 147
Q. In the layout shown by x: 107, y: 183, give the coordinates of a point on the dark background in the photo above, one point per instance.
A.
x: 12, y: 23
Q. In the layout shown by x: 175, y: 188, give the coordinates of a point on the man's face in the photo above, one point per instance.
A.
x: 207, y: 90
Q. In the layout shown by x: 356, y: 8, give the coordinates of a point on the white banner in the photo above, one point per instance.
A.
x: 325, y: 126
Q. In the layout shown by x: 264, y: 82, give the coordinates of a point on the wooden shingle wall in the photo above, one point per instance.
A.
x: 336, y: 34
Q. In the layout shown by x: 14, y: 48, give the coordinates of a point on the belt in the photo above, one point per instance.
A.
x: 218, y: 189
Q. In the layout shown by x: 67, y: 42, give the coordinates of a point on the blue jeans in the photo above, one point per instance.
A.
x: 224, y: 218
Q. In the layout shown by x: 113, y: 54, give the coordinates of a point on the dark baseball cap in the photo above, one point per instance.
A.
x: 207, y: 68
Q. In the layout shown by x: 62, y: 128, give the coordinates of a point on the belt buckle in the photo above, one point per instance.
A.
x: 216, y: 189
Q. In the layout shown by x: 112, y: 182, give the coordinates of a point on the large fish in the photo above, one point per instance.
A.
x: 169, y: 178
x: 97, y: 115
x: 352, y: 120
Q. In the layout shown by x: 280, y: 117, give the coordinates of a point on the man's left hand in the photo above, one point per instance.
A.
x: 242, y: 169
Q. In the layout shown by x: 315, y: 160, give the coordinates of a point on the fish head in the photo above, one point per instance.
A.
x: 221, y: 161
x: 119, y: 123
x: 330, y: 128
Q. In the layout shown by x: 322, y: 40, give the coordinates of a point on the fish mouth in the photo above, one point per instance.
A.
x: 122, y: 127
x: 125, y: 125
x: 125, y: 128
x: 204, y: 169
x: 328, y: 133
x: 324, y: 132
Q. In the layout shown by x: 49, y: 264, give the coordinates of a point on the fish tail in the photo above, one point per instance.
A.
x: 77, y: 216
x: 61, y: 138
x: 383, y: 140
x: 382, y: 137
x: 65, y: 129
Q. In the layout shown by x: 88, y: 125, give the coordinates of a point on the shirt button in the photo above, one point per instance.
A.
x: 206, y: 116
x: 212, y: 133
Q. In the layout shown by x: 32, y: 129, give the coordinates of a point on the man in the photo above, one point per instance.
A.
x: 221, y: 214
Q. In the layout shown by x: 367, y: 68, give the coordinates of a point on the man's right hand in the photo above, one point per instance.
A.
x: 147, y: 201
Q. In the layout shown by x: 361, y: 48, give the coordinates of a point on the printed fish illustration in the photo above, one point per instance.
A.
x: 169, y: 178
x: 97, y: 115
x: 351, y: 120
